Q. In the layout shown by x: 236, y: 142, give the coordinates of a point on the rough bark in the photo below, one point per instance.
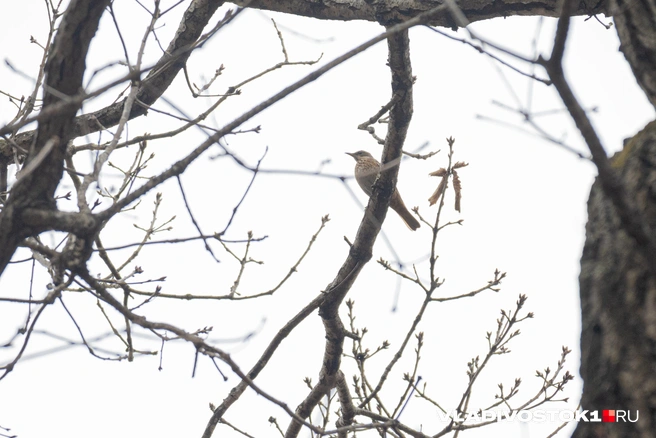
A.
x: 394, y: 11
x: 618, y: 301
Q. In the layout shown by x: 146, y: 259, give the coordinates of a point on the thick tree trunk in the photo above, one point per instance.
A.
x: 618, y: 301
x: 618, y: 290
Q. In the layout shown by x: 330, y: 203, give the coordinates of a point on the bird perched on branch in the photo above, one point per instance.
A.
x: 366, y: 171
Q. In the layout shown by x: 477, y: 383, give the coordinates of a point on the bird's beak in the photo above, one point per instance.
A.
x: 351, y: 154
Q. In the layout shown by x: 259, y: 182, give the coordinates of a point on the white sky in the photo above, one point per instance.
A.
x: 524, y: 211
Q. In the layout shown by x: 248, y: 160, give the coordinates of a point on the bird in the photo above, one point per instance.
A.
x: 366, y: 171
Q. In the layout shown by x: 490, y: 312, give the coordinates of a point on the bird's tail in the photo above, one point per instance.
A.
x: 398, y: 206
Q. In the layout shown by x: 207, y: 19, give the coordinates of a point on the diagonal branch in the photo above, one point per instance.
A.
x: 632, y: 219
x: 361, y: 251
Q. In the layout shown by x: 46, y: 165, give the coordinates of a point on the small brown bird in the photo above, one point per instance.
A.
x: 366, y: 171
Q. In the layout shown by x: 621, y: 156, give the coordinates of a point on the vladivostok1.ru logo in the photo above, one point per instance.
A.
x: 543, y: 415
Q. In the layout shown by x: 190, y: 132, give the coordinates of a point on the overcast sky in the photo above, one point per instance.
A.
x: 524, y: 211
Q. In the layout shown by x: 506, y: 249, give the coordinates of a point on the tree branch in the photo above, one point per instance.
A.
x: 64, y: 72
x: 389, y: 12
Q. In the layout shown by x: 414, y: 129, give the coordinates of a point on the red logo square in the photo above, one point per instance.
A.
x: 608, y: 416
